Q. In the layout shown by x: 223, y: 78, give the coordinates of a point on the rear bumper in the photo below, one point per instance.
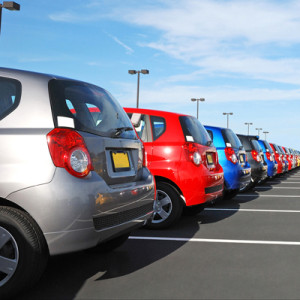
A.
x: 76, y: 214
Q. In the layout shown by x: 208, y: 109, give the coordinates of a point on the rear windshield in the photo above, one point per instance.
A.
x: 231, y: 138
x: 255, y: 145
x: 88, y: 108
x: 194, y: 131
x: 267, y: 145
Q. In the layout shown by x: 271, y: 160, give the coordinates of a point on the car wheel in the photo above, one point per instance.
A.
x: 110, y: 245
x: 193, y: 210
x: 23, y: 251
x: 167, y: 207
x: 228, y: 195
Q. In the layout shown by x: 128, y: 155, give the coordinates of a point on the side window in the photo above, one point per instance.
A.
x: 210, y: 134
x: 141, y: 127
x: 10, y: 94
x: 158, y: 126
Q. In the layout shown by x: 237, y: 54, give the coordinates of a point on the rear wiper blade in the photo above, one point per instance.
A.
x: 117, y: 131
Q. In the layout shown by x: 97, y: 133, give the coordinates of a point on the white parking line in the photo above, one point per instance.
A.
x: 276, y: 187
x: 253, y: 195
x: 214, y: 240
x: 283, y: 182
x: 253, y: 210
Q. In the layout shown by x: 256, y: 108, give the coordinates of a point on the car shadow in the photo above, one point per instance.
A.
x: 66, y: 274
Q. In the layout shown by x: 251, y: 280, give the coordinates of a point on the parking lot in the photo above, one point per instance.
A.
x: 245, y: 248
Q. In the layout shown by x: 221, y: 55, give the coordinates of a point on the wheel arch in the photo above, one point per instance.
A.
x: 173, y: 184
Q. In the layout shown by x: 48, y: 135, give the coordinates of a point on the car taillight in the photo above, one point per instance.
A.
x: 68, y: 150
x: 255, y: 155
x: 192, y: 153
x: 230, y: 155
x: 269, y: 156
x: 142, y: 157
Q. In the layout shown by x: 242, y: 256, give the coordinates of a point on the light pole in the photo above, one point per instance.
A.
x: 10, y: 5
x: 265, y: 132
x: 132, y: 72
x: 258, y: 130
x: 199, y: 99
x: 227, y: 117
x: 248, y: 126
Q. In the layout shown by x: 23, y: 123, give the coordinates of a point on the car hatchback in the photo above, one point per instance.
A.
x: 183, y: 161
x: 232, y: 158
x: 69, y: 180
x: 255, y: 158
x: 269, y: 158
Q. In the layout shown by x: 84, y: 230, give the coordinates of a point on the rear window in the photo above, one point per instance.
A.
x: 194, y: 131
x: 88, y: 108
x: 10, y: 94
x: 267, y: 145
x: 255, y: 145
x: 231, y: 138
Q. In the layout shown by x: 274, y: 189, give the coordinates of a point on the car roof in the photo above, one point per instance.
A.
x: 16, y: 73
x: 152, y: 111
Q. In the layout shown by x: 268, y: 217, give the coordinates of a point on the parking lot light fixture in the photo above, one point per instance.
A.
x: 10, y: 5
x: 228, y: 114
x: 246, y: 123
x: 266, y: 132
x: 258, y: 130
x: 132, y: 72
x: 199, y: 99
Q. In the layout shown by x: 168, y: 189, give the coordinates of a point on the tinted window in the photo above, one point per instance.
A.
x: 10, y: 94
x: 89, y: 108
x: 194, y: 131
x: 267, y: 145
x: 158, y: 126
x: 246, y: 143
x: 255, y: 145
x: 231, y: 138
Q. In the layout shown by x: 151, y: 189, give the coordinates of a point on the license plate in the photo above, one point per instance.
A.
x: 210, y: 160
x: 120, y: 161
x: 241, y: 158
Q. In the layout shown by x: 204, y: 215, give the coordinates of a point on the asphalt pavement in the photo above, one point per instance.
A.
x: 245, y: 248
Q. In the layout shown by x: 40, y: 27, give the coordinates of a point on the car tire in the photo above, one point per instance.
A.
x: 167, y: 207
x: 228, y: 195
x: 193, y: 210
x: 24, y: 249
x: 110, y: 245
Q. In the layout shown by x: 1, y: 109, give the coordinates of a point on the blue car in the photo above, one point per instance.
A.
x: 269, y: 158
x: 232, y: 158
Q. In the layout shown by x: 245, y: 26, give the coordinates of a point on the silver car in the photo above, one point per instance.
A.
x: 72, y: 173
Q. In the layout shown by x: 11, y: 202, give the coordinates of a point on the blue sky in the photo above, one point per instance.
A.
x: 241, y: 56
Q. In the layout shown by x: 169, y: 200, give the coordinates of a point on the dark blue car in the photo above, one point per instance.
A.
x: 269, y: 158
x: 232, y: 158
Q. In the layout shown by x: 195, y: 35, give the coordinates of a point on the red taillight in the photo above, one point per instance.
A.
x: 255, y: 155
x: 230, y: 154
x: 68, y: 150
x: 192, y: 153
x: 142, y: 157
x: 269, y: 156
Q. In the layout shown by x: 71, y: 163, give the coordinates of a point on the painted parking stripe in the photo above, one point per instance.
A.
x: 276, y: 187
x: 253, y: 210
x: 253, y: 195
x: 214, y: 240
x: 283, y: 182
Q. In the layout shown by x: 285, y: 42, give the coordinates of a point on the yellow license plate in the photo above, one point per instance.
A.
x: 241, y: 158
x: 210, y: 159
x: 120, y: 161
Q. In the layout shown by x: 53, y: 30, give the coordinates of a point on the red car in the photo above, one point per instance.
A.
x: 289, y: 157
x: 278, y: 158
x: 180, y: 155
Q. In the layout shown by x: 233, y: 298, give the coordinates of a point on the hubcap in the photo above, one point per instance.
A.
x: 162, y: 207
x: 9, y: 256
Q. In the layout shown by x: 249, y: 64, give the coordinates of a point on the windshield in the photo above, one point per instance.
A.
x: 88, y: 108
x: 194, y: 131
x: 231, y: 138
